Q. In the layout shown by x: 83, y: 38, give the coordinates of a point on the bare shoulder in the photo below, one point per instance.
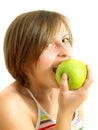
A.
x: 15, y: 107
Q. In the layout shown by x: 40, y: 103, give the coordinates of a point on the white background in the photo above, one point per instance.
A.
x: 83, y: 17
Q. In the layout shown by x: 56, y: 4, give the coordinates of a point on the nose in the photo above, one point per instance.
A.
x: 64, y: 50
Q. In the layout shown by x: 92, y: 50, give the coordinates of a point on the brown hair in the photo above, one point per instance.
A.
x: 26, y: 37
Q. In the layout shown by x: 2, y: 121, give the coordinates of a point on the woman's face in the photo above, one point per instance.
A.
x: 58, y: 50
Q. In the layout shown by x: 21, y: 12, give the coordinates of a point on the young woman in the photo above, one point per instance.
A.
x: 35, y: 44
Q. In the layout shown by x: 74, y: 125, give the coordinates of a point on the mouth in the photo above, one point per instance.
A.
x: 54, y: 69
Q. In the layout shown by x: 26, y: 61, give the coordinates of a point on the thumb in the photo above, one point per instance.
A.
x: 64, y: 83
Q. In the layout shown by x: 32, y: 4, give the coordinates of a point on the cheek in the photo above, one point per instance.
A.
x: 69, y: 50
x: 46, y: 58
x: 50, y: 56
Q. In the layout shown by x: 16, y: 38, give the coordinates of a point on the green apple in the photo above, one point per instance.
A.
x: 76, y: 71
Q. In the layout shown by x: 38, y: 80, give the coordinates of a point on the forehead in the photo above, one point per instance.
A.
x: 61, y: 31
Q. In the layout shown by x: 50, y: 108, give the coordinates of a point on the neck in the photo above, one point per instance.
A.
x: 44, y: 94
x: 48, y: 99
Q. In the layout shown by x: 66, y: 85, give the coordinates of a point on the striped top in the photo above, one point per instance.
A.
x: 45, y: 122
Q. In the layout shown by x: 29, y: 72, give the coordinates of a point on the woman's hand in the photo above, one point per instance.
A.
x: 70, y: 100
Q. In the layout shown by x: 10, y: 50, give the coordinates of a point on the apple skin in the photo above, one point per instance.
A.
x: 76, y: 71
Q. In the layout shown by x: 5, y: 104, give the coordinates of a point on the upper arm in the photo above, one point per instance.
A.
x: 13, y: 118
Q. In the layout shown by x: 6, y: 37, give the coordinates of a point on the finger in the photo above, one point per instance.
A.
x: 89, y: 75
x: 89, y: 79
x: 64, y: 83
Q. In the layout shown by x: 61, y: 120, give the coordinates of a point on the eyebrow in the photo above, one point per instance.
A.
x: 66, y: 35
